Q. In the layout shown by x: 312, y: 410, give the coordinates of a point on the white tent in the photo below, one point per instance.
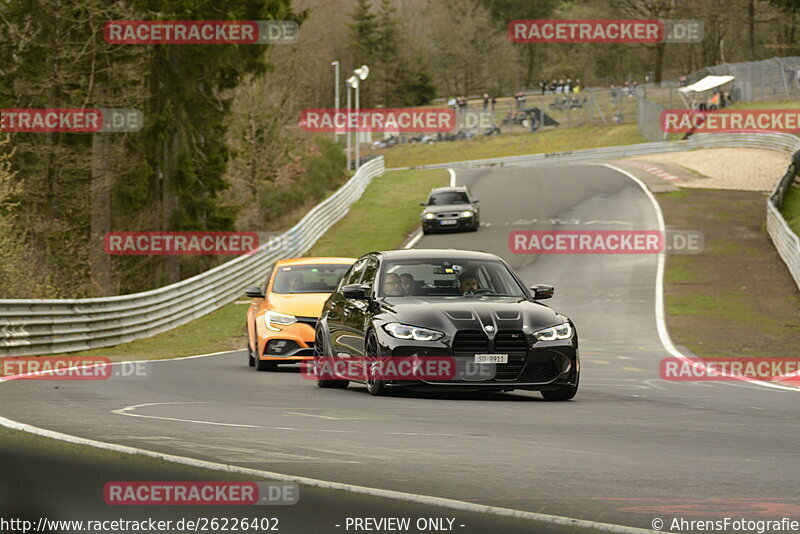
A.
x: 709, y: 82
x: 706, y: 84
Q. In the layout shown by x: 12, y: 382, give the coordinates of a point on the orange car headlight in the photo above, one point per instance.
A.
x: 272, y: 318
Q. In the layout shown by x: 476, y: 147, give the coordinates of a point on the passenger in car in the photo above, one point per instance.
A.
x: 391, y: 286
x: 295, y: 282
x: 407, y: 281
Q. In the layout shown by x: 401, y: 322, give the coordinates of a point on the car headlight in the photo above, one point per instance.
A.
x: 430, y: 216
x: 562, y: 331
x: 466, y: 213
x: 404, y: 331
x: 283, y: 319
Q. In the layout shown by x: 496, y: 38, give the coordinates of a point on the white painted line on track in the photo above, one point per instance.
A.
x: 364, y: 490
x: 661, y: 324
x: 452, y: 177
x: 413, y: 241
x: 374, y: 492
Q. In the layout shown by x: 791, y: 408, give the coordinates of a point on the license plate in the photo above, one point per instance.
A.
x: 491, y: 358
x: 445, y: 223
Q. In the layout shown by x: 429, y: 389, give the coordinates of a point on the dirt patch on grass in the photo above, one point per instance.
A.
x: 737, y: 297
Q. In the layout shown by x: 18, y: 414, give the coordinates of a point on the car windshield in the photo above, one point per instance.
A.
x: 317, y: 278
x: 448, y: 278
x: 448, y: 197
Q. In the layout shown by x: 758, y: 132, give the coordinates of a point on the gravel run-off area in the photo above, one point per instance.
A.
x: 742, y: 169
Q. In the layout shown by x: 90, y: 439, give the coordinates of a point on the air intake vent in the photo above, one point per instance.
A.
x: 470, y: 341
x: 510, y: 340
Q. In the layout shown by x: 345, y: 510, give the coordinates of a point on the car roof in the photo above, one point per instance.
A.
x: 315, y: 260
x: 459, y: 188
x: 435, y: 253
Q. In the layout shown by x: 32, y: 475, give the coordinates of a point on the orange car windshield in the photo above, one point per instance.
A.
x: 319, y: 278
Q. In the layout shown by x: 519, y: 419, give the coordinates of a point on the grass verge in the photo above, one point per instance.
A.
x: 736, y: 298
x: 386, y: 213
x: 553, y: 140
x: 791, y: 209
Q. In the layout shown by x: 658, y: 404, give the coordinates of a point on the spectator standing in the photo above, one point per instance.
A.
x: 493, y: 101
x: 485, y: 102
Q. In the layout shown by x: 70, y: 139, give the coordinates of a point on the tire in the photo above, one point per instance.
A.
x: 564, y: 394
x: 265, y: 365
x: 425, y: 232
x: 251, y: 361
x: 376, y: 388
x: 319, y: 356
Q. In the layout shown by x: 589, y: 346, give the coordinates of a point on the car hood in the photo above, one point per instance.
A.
x: 298, y: 304
x: 448, y: 207
x: 462, y: 313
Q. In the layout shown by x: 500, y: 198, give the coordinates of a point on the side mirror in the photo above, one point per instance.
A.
x: 541, y: 291
x: 254, y: 292
x: 423, y: 203
x: 355, y: 291
x: 475, y: 200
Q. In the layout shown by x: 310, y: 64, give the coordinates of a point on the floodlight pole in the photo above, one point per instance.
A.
x: 336, y: 97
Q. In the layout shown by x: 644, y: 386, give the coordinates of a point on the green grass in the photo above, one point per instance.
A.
x: 380, y: 219
x: 383, y: 217
x: 791, y: 209
x: 220, y: 330
x: 551, y: 140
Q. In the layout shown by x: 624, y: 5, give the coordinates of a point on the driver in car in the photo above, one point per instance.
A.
x: 467, y: 282
x: 392, y: 286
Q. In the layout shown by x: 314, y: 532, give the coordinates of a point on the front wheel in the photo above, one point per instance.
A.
x: 264, y: 365
x: 562, y: 394
x: 319, y: 366
x: 375, y: 386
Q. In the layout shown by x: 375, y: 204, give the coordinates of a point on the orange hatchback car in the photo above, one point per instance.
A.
x: 282, y: 317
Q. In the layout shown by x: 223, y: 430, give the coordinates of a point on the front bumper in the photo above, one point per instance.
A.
x: 544, y: 365
x: 294, y: 342
x: 435, y: 225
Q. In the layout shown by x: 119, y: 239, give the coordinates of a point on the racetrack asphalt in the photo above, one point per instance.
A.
x: 631, y: 447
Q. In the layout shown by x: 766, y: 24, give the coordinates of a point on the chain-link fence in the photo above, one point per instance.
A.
x: 754, y: 81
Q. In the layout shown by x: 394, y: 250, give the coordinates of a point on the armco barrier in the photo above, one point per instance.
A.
x: 50, y: 326
x: 786, y: 242
x: 773, y: 141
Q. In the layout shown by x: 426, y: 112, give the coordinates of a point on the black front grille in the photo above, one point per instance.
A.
x: 510, y: 340
x: 470, y: 341
x: 545, y: 371
x: 310, y: 321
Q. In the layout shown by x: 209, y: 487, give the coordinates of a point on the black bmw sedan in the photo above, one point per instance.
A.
x: 465, y: 308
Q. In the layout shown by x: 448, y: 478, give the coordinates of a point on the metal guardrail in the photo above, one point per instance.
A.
x: 772, y: 141
x: 50, y: 326
x: 31, y: 327
x: 786, y: 242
